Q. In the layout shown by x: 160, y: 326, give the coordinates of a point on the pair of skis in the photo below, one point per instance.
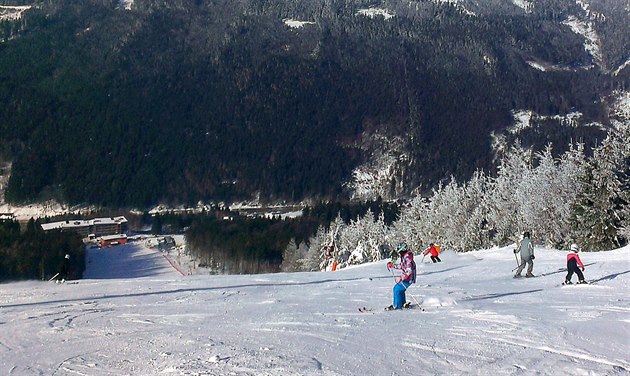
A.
x: 405, y: 307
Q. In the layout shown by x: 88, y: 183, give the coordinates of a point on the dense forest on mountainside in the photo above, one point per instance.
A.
x: 182, y: 101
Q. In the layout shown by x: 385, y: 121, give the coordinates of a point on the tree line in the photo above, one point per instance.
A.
x: 243, y: 245
x: 571, y: 198
x: 35, y: 254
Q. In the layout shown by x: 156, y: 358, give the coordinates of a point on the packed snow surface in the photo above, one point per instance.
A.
x: 136, y: 314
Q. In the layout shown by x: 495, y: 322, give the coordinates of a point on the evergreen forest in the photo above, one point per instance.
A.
x: 187, y: 100
x: 35, y: 254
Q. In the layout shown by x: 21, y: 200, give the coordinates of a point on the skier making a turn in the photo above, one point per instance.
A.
x: 526, y: 248
x: 408, y: 276
x: 434, y: 253
x: 573, y: 260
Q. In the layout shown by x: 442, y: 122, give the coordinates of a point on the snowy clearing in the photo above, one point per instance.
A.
x: 591, y: 39
x: 375, y: 12
x: 296, y: 24
x: 135, y: 314
x: 12, y: 13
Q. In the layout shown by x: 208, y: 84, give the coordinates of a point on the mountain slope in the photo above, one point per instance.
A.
x: 138, y: 102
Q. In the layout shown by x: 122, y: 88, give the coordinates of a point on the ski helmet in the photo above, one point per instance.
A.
x: 575, y: 248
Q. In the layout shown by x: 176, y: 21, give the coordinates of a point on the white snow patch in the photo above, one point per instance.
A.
x: 12, y: 12
x: 536, y: 65
x: 295, y: 24
x: 523, y: 120
x: 457, y: 5
x: 125, y: 4
x: 527, y: 6
x: 43, y: 209
x: 165, y: 209
x: 621, y: 67
x: 376, y: 12
x: 591, y: 39
x: 547, y: 67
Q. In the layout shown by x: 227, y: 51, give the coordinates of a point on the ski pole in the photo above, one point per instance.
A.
x: 518, y: 264
x: 412, y: 297
x: 53, y: 277
x: 405, y: 287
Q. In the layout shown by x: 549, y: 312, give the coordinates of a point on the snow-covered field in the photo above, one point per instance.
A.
x: 135, y: 314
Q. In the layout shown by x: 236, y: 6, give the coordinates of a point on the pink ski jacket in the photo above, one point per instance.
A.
x: 408, y: 268
x: 575, y: 256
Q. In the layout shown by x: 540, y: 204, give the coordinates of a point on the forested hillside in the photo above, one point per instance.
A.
x: 181, y: 101
x: 35, y: 254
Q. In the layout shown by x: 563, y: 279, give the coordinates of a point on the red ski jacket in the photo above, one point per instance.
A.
x: 433, y: 251
x: 575, y: 256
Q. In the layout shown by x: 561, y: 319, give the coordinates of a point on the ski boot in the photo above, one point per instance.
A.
x: 529, y: 275
x: 567, y: 283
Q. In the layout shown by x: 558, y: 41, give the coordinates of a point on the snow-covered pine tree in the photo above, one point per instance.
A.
x: 411, y: 226
x: 554, y: 185
x: 313, y: 258
x: 620, y: 119
x: 596, y: 214
x: 457, y: 215
x: 336, y: 229
x: 474, y: 233
x: 349, y: 239
x: 567, y: 181
x: 505, y: 198
x: 621, y: 152
x: 441, y: 209
x: 364, y: 238
x: 290, y: 257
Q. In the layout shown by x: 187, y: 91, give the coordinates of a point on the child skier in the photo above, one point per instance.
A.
x: 434, y: 253
x: 573, y: 260
x: 408, y: 276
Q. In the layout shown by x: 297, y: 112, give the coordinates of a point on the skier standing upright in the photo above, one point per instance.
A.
x: 63, y: 272
x: 408, y: 268
x: 526, y: 248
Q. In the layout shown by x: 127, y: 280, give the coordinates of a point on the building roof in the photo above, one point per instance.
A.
x: 78, y: 223
x: 113, y: 237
